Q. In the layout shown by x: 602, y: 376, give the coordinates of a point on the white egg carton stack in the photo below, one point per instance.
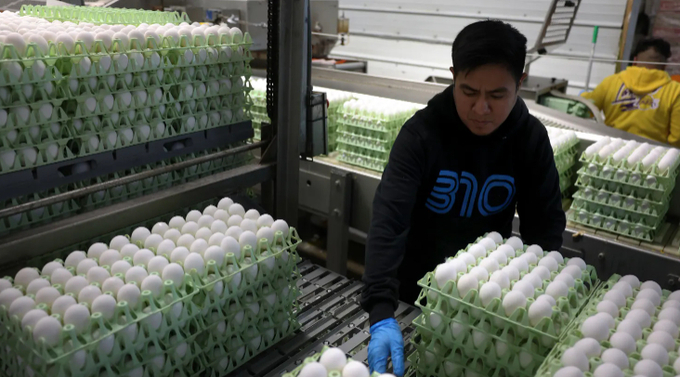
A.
x: 498, y: 307
x: 625, y: 187
x: 367, y: 129
x: 198, y: 295
x: 332, y: 362
x: 71, y: 89
x: 565, y: 148
x: 628, y: 329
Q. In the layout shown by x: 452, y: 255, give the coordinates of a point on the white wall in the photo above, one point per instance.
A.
x: 378, y: 24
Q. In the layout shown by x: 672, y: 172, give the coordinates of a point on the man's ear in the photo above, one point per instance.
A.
x: 453, y: 74
x: 521, y: 80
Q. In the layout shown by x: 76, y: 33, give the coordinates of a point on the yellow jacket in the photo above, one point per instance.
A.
x: 641, y: 101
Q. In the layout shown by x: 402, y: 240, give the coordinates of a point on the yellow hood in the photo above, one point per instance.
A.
x: 642, y: 80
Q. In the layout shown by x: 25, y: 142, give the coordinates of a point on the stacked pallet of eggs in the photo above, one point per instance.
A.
x: 73, y: 89
x: 625, y: 187
x: 259, y: 108
x: 197, y: 295
x: 629, y: 328
x: 332, y: 362
x: 565, y: 147
x: 367, y: 130
x: 497, y: 308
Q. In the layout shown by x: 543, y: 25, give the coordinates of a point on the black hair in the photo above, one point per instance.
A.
x: 659, y: 45
x: 489, y: 42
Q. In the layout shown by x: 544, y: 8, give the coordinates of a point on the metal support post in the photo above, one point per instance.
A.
x: 340, y: 205
x: 293, y: 85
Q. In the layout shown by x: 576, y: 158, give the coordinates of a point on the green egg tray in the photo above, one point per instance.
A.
x: 553, y: 362
x: 623, y: 226
x: 97, y: 15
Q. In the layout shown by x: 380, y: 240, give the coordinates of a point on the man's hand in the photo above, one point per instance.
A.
x: 386, y: 340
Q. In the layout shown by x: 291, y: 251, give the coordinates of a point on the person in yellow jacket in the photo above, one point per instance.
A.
x: 643, y: 99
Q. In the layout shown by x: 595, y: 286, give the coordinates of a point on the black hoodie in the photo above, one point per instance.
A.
x: 444, y: 186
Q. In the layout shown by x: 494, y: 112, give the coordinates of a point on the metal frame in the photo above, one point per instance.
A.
x: 283, y: 170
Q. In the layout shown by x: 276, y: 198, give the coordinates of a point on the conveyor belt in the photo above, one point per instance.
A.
x: 329, y: 315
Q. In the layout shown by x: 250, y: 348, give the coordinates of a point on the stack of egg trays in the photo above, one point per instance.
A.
x: 172, y: 326
x: 468, y: 327
x: 565, y: 159
x: 631, y: 201
x: 365, y: 140
x: 84, y: 90
x: 296, y: 372
x: 131, y: 190
x: 259, y: 112
x: 334, y: 116
x: 100, y: 15
x: 553, y: 361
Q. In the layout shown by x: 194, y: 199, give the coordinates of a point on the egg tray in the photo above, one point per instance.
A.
x: 475, y: 343
x: 553, y: 361
x: 664, y: 179
x: 638, y: 191
x: 363, y: 142
x: 358, y: 159
x: 611, y: 211
x: 99, y: 15
x: 632, y: 202
x: 432, y: 361
x: 40, y: 356
x: 623, y: 227
x: 314, y: 358
x: 71, y: 207
x: 494, y: 313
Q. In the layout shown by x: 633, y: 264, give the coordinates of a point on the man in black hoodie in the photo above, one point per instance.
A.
x: 458, y: 169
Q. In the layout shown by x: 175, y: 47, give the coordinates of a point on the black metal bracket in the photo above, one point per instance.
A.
x: 340, y: 205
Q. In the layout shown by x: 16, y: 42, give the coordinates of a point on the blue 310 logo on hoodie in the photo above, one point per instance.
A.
x: 448, y: 185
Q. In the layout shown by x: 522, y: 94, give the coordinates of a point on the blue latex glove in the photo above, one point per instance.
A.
x: 386, y: 340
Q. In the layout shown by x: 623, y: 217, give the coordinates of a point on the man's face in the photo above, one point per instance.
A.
x: 484, y: 97
x: 650, y: 55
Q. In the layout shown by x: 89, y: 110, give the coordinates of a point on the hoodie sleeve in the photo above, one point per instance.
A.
x: 674, y: 131
x: 599, y: 95
x: 539, y: 205
x: 393, y: 203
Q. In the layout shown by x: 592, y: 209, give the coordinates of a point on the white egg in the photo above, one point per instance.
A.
x: 557, y: 289
x: 190, y: 227
x: 60, y: 276
x: 501, y: 278
x: 152, y: 241
x: 675, y: 296
x: 129, y: 293
x: 520, y: 264
x: 488, y: 292
x: 178, y: 254
x: 205, y: 221
x: 154, y: 284
x: 670, y: 314
x: 631, y: 327
x: 549, y: 262
x: 280, y: 226
x: 530, y: 258
x: 354, y: 369
x: 230, y: 245
x: 656, y: 353
x: 566, y: 279
x: 177, y: 222
x: 61, y: 304
x: 574, y: 271
x: 667, y: 326
x: 575, y: 358
x: 499, y: 256
x: 139, y: 235
x: 109, y: 257
x: 508, y: 250
x: 589, y: 346
x: 105, y: 305
x: 157, y: 264
x: 32, y: 317
x: 175, y: 273
x: 172, y: 235
x: 623, y: 341
x: 143, y: 256
x: 515, y: 242
x: 649, y: 284
x: 266, y: 233
x: 129, y: 250
x: 120, y: 267
x: 34, y: 286
x: 118, y: 242
x: 641, y: 317
x: 609, y: 308
x: 608, y: 370
x: 247, y: 238
x: 595, y: 327
x: 333, y: 359
x: 568, y: 371
x: 25, y: 276
x: 480, y: 272
x: 20, y: 306
x: 616, y: 297
x: 195, y: 261
x: 50, y: 267
x: 165, y: 247
x: 556, y: 256
x: 225, y: 203
x: 47, y: 329
x: 663, y: 339
x: 265, y: 220
x: 97, y: 275
x: 185, y: 240
x: 113, y: 285
x: 580, y: 263
x: 649, y: 294
x: 466, y: 283
x: 648, y: 368
x: 216, y: 254
x: 512, y: 301
x: 199, y: 246
x: 490, y: 264
x: 512, y: 272
x: 204, y: 234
